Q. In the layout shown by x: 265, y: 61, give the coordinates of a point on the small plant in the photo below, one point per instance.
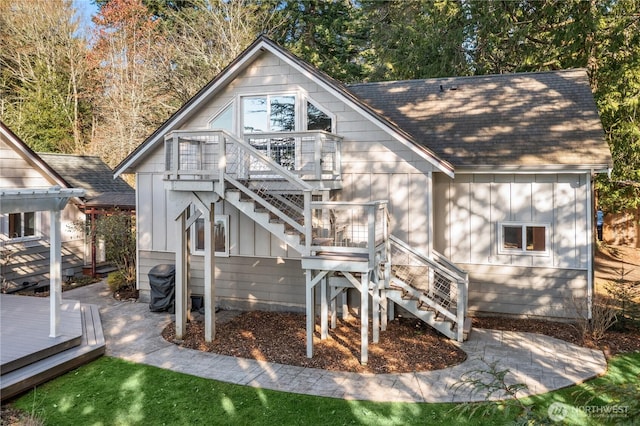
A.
x: 499, y: 396
x: 603, y: 317
x: 626, y: 297
x: 116, y: 281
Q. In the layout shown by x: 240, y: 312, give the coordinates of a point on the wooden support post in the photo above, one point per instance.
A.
x: 364, y: 319
x: 345, y: 304
x: 209, y: 276
x: 324, y: 309
x: 310, y: 301
x: 375, y: 311
x: 384, y: 305
x: 334, y: 314
x: 181, y: 276
x: 55, y: 273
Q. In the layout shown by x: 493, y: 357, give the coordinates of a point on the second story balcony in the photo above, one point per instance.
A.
x: 207, y: 155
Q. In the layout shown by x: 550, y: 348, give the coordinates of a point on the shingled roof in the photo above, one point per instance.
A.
x: 545, y: 119
x: 93, y: 175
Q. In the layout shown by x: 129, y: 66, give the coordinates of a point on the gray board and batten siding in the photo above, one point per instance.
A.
x: 468, y: 211
x: 374, y: 167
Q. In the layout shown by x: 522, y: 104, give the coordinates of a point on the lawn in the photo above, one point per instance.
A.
x: 110, y: 391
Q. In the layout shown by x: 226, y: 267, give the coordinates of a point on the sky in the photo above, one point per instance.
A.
x: 85, y: 9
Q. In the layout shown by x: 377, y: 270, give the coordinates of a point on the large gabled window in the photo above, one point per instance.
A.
x: 523, y: 238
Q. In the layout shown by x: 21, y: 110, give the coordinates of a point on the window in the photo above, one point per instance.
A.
x: 281, y: 114
x: 221, y: 235
x: 523, y: 238
x: 21, y: 225
x: 272, y: 113
x: 224, y: 120
x: 317, y: 119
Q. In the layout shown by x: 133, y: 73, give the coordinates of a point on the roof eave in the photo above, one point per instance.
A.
x: 535, y: 169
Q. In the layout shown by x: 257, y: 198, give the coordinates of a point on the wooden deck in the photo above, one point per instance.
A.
x: 29, y: 356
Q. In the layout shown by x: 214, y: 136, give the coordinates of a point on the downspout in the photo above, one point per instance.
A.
x: 590, y: 244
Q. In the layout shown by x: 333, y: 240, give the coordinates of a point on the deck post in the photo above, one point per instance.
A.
x: 324, y: 309
x: 181, y: 276
x: 55, y: 273
x: 375, y: 309
x: 209, y: 276
x: 345, y: 304
x: 310, y: 312
x: 364, y: 319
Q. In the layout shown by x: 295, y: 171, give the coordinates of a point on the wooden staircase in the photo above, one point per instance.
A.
x: 348, y: 239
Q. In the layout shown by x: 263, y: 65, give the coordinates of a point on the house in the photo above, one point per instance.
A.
x: 277, y: 187
x: 24, y: 236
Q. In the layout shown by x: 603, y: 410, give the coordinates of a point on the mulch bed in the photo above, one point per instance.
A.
x: 407, y: 345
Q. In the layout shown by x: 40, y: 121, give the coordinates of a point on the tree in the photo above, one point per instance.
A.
x: 44, y: 75
x: 328, y: 34
x: 618, y: 97
x: 417, y: 39
x: 129, y: 104
x: 204, y: 38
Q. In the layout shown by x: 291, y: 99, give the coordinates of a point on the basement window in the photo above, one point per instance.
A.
x: 523, y: 238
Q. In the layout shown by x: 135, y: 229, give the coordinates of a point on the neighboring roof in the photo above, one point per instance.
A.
x: 261, y: 44
x: 525, y: 120
x: 93, y: 175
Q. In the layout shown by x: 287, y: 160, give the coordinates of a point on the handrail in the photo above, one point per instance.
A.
x: 440, y: 268
x: 273, y: 166
x: 447, y: 283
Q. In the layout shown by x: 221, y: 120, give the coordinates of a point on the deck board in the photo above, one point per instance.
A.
x: 24, y: 333
x: 91, y: 343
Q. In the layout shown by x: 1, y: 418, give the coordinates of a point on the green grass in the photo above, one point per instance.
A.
x: 110, y: 391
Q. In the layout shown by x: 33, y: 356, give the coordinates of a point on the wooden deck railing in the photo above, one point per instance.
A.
x: 199, y: 155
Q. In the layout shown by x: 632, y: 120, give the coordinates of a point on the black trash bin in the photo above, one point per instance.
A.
x: 162, y: 279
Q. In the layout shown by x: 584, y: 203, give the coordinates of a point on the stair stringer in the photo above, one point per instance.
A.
x: 263, y: 218
x: 427, y: 316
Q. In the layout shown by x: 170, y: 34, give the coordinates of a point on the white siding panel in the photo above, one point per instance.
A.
x: 460, y: 220
x: 481, y: 231
x: 467, y: 217
x: 144, y: 211
x: 418, y: 212
x: 163, y: 225
x: 399, y: 205
x: 565, y: 225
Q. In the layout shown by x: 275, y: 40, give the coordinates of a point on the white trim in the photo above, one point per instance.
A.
x: 539, y: 170
x: 523, y: 251
x: 590, y: 254
x: 305, y: 113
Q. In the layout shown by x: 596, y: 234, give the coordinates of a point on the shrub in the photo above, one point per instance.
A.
x: 116, y: 280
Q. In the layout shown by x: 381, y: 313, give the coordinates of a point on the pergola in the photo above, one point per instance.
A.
x: 53, y: 200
